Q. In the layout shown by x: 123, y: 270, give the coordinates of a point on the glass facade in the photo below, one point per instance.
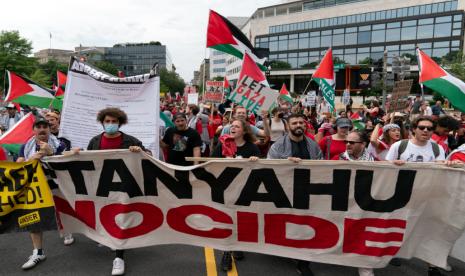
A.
x: 365, y: 17
x: 139, y: 58
x: 439, y: 34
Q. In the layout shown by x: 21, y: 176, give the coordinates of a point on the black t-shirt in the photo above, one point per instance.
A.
x: 245, y: 151
x: 181, y: 144
x: 299, y: 149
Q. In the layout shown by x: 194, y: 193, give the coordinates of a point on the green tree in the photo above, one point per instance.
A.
x: 14, y: 55
x: 41, y: 78
x: 107, y: 67
x: 279, y: 64
x: 171, y: 81
x: 52, y: 66
x: 218, y: 78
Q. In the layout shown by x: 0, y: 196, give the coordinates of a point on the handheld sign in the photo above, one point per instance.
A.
x: 214, y: 92
x: 253, y: 95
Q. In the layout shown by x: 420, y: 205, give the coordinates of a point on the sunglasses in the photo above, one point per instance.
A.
x: 352, y: 142
x: 425, y: 127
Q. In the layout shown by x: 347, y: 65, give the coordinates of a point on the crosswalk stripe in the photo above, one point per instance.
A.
x: 210, y: 261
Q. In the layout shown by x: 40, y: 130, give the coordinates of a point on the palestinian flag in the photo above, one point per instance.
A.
x: 437, y: 79
x: 165, y: 121
x: 357, y: 121
x: 324, y: 76
x: 61, y: 84
x: 19, y: 134
x: 224, y: 36
x: 284, y: 94
x: 24, y: 91
x: 226, y: 86
x: 251, y: 70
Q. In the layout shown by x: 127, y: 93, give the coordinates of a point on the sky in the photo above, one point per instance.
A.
x: 179, y: 24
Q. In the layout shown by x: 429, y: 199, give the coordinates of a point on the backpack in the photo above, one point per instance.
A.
x: 404, y: 143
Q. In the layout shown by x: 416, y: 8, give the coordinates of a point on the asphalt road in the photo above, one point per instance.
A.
x: 84, y: 257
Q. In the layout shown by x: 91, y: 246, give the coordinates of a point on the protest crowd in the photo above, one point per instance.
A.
x: 290, y: 129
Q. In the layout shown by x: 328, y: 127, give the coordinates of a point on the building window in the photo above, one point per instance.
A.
x: 442, y: 30
x: 392, y: 35
x: 409, y: 33
x: 364, y: 37
x: 425, y: 31
x: 351, y: 39
x: 315, y: 42
x: 378, y: 36
x: 326, y: 41
x: 338, y: 40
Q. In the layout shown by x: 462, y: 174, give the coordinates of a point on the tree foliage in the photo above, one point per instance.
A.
x: 170, y: 81
x: 107, y: 67
x: 14, y: 55
x: 279, y: 64
x: 41, y: 78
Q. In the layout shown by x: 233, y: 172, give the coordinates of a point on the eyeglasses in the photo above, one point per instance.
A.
x: 352, y: 142
x: 425, y: 127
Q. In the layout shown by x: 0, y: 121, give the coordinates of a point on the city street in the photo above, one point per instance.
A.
x: 84, y: 257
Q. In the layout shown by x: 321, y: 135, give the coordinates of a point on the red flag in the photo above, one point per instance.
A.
x: 284, y: 90
x: 226, y: 83
x: 18, y: 107
x: 61, y: 84
x: 250, y: 69
x: 19, y: 134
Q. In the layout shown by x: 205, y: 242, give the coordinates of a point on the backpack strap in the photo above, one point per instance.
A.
x: 402, y: 147
x: 436, y: 149
x: 328, y: 147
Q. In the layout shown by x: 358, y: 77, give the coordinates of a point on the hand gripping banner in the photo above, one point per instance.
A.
x: 348, y: 213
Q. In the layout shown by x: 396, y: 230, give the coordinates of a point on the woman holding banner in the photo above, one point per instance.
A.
x: 238, y: 144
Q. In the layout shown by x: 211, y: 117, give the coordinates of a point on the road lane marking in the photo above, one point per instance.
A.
x: 233, y: 271
x: 210, y: 261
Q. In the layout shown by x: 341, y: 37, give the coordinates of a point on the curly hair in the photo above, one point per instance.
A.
x: 248, y: 134
x: 113, y: 112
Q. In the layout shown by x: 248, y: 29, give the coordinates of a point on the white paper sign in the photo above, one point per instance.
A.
x: 89, y: 90
x: 193, y: 98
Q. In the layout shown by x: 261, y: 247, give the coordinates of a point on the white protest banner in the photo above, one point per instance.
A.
x: 90, y: 90
x: 214, y: 92
x: 349, y: 213
x: 310, y: 99
x: 193, y: 98
x: 189, y: 89
x: 253, y: 95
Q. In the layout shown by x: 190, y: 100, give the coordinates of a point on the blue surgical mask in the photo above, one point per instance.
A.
x: 111, y: 128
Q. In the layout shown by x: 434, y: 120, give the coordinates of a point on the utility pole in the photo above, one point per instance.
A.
x: 384, y: 78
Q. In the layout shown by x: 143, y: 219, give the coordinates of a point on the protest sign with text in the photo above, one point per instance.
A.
x: 89, y: 90
x: 214, y: 92
x: 348, y: 213
x: 252, y: 95
x: 26, y: 202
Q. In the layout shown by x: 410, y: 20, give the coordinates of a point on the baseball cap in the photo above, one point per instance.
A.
x: 41, y: 121
x: 343, y: 122
x: 10, y: 105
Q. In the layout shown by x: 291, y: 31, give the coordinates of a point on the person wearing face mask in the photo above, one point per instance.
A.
x: 112, y: 138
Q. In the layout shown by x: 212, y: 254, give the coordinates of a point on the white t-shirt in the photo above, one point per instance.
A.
x: 11, y: 122
x: 414, y: 153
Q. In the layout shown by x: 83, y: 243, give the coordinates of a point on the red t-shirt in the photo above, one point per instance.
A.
x: 458, y: 156
x: 111, y: 143
x: 336, y: 147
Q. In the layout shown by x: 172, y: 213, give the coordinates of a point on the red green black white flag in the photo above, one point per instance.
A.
x: 224, y: 36
x: 24, y: 91
x: 324, y: 76
x: 437, y: 79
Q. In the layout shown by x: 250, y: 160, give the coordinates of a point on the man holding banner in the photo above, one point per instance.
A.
x: 40, y: 145
x: 112, y: 138
x: 295, y: 146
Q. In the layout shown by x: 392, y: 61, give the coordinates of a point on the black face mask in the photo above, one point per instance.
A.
x: 280, y: 115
